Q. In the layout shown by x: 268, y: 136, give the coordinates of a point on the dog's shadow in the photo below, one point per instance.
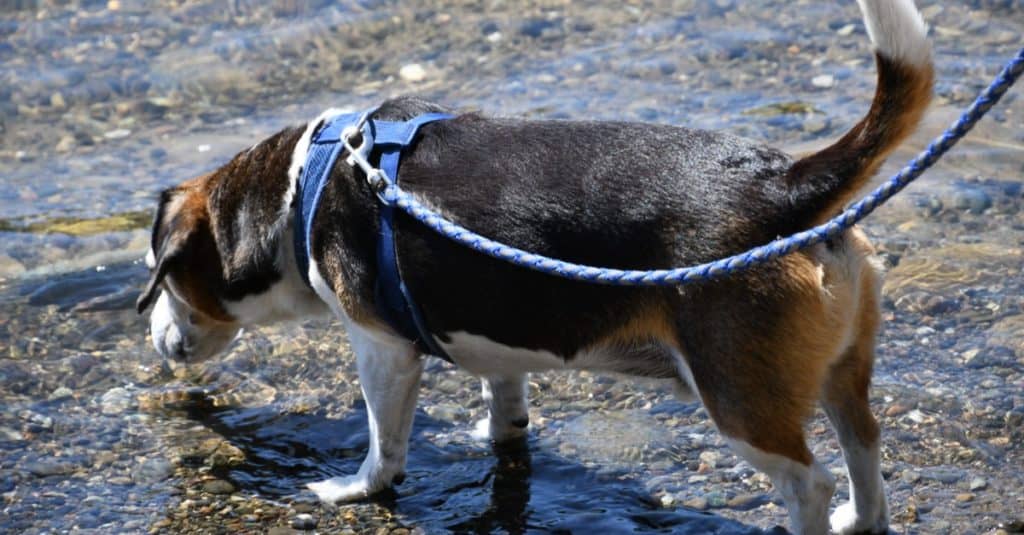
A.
x: 457, y: 487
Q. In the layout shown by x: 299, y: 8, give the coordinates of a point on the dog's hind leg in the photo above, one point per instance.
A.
x: 761, y: 417
x: 759, y: 368
x: 507, y: 416
x: 845, y: 399
x: 804, y: 483
x: 389, y: 372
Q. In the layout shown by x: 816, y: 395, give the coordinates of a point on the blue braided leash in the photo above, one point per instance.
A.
x: 394, y: 195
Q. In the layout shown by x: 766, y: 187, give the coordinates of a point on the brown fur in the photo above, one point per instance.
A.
x: 761, y: 374
x: 901, y: 98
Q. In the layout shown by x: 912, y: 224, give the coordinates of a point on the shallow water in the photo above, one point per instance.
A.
x: 103, y: 104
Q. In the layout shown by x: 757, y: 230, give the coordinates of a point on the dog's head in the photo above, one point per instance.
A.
x: 221, y: 251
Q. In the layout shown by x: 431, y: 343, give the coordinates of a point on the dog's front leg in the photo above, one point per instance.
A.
x: 389, y: 371
x: 506, y: 398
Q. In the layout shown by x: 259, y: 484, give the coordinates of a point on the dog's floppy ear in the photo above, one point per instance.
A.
x: 170, y: 237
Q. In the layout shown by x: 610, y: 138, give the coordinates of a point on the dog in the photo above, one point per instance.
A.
x: 759, y: 348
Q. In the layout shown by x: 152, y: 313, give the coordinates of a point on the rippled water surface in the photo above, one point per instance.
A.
x: 102, y: 104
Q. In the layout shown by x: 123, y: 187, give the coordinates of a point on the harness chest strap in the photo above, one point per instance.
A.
x: 393, y: 298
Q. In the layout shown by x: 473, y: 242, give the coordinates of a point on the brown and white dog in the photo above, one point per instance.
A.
x: 759, y: 349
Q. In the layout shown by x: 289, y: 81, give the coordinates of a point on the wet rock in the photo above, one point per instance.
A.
x: 536, y: 28
x: 82, y: 363
x: 10, y: 267
x: 449, y: 413
x: 46, y: 468
x: 66, y: 144
x: 153, y: 471
x: 815, y: 124
x: 716, y: 499
x: 218, y: 486
x: 304, y: 521
x: 964, y: 497
x: 710, y: 458
x: 61, y: 392
x: 943, y: 475
x: 116, y: 400
x: 699, y: 503
x: 119, y: 133
x: 413, y: 72
x: 973, y: 200
x: 224, y: 456
x: 744, y: 502
x: 978, y: 358
x: 910, y: 476
x: 1014, y: 418
x: 823, y: 81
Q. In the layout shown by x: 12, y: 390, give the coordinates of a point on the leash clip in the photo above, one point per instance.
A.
x: 358, y: 156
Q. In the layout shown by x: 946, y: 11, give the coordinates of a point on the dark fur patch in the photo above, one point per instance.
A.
x: 608, y: 194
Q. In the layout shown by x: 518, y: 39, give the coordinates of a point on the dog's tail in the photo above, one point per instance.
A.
x: 820, y: 184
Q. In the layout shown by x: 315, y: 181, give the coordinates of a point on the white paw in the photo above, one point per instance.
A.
x: 483, y: 430
x: 340, y: 489
x: 844, y: 521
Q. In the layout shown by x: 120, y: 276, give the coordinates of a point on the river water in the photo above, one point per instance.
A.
x: 102, y: 104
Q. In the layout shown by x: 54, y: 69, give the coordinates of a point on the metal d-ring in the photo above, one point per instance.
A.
x: 358, y: 155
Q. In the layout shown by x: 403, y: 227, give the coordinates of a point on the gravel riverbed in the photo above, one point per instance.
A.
x: 104, y: 103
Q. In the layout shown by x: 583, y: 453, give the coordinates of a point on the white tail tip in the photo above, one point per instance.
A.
x: 897, y: 30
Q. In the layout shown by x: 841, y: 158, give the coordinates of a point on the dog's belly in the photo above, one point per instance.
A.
x: 482, y: 356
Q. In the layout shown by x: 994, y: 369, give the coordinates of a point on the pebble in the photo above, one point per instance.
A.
x: 716, y: 499
x: 699, y: 503
x: 964, y: 497
x: 823, y: 81
x: 943, y: 475
x: 973, y: 200
x: 413, y: 72
x: 978, y: 483
x: 10, y: 267
x: 539, y: 27
x: 815, y: 124
x: 61, y: 392
x: 304, y: 521
x: 67, y: 143
x: 910, y: 476
x: 710, y: 458
x: 218, y: 486
x: 743, y: 502
x: 46, y: 468
x: 116, y: 400
x: 119, y: 133
x: 153, y: 471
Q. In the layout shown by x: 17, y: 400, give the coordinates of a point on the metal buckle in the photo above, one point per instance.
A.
x: 359, y: 155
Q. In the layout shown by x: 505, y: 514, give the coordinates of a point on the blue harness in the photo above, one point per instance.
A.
x: 394, y: 301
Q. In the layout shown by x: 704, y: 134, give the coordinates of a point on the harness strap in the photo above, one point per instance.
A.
x: 394, y: 301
